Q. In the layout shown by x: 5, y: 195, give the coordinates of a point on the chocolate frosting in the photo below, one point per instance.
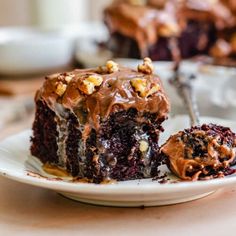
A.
x: 114, y: 94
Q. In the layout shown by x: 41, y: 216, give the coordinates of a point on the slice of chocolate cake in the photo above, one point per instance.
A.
x: 101, y: 123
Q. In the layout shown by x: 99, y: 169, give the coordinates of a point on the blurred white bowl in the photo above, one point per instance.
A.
x: 32, y: 51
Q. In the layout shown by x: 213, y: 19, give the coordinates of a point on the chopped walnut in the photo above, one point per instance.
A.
x: 139, y: 86
x: 112, y: 66
x: 146, y: 67
x: 53, y: 76
x: 68, y: 78
x: 95, y: 79
x: 101, y: 70
x: 60, y: 89
x: 88, y: 85
x: 109, y: 68
x: 153, y: 89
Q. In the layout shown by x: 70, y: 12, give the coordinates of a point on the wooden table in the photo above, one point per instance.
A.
x: 27, y: 210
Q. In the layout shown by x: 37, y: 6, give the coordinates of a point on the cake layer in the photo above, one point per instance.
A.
x: 101, y: 123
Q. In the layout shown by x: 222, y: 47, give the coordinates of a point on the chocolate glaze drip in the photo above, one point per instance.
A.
x: 114, y: 94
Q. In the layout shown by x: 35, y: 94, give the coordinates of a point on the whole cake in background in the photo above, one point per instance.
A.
x: 101, y: 123
x: 168, y: 29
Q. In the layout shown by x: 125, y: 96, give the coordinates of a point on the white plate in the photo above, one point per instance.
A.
x: 16, y: 163
x: 31, y: 51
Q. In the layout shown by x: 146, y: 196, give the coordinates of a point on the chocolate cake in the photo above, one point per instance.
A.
x: 168, y: 29
x: 201, y: 152
x: 101, y: 123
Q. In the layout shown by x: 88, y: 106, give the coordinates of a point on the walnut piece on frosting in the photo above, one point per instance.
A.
x: 109, y: 68
x: 53, y: 76
x: 112, y: 67
x: 155, y: 88
x: 68, y: 78
x: 140, y: 86
x: 95, y: 79
x: 88, y: 85
x: 146, y: 67
x: 60, y: 88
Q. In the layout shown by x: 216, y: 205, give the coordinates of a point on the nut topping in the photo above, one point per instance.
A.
x: 112, y: 67
x: 88, y: 85
x: 153, y: 90
x: 61, y: 88
x: 109, y: 68
x: 68, y: 78
x: 139, y: 86
x: 95, y: 79
x: 53, y: 76
x: 146, y: 67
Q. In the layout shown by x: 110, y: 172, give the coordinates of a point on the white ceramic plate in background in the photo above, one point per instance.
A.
x: 26, y: 51
x: 16, y: 163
